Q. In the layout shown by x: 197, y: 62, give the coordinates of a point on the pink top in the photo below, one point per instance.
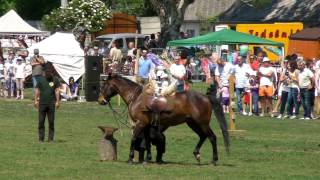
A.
x: 225, y: 91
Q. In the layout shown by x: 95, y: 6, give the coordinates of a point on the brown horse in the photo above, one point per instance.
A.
x: 189, y: 107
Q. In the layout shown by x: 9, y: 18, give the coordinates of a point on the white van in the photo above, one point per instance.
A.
x: 122, y: 39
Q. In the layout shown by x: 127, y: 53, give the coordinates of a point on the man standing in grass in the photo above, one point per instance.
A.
x: 46, y: 100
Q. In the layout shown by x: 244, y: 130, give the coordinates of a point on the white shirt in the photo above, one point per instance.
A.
x: 178, y: 71
x: 20, y: 70
x: 304, y: 78
x: 240, y: 73
x: 266, y: 81
x: 224, y: 72
x: 130, y: 52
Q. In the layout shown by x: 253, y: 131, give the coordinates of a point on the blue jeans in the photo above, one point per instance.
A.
x: 34, y: 81
x: 293, y: 101
x: 239, y: 92
x: 306, y: 101
x: 284, y: 99
x: 255, y: 101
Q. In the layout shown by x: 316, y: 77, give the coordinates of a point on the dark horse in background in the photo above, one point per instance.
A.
x: 190, y: 107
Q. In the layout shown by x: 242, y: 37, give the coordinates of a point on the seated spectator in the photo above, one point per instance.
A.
x: 73, y: 90
x: 63, y: 89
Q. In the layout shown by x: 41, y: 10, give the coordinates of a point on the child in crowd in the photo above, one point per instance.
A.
x: 162, y: 80
x: 225, y: 98
x: 20, y: 75
x: 9, y: 77
x: 2, y: 80
x: 254, y: 92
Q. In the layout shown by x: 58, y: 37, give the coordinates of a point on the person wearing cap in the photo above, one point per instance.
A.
x: 266, y: 72
x: 37, y: 63
x: 305, y: 79
x: 145, y: 68
x: 20, y: 73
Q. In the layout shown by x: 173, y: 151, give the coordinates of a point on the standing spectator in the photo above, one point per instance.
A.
x: 20, y: 73
x: 2, y: 79
x: 305, y: 84
x: 153, y: 42
x: 223, y: 72
x: 10, y: 77
x: 115, y: 56
x: 145, y: 68
x: 131, y: 50
x: 254, y: 63
x: 317, y: 90
x: 254, y: 92
x: 266, y: 73
x: 283, y: 91
x: 46, y: 100
x: 146, y: 42
x: 37, y: 63
x: 241, y: 72
x: 293, y: 89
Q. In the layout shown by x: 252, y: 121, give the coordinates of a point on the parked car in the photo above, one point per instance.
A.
x: 122, y: 40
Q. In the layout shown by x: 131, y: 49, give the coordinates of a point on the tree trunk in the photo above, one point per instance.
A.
x: 171, y: 14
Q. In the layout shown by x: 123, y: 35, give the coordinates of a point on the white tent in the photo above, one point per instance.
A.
x: 12, y: 24
x: 64, y: 52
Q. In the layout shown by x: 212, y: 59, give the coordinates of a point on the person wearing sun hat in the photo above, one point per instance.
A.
x: 47, y: 100
x: 266, y: 73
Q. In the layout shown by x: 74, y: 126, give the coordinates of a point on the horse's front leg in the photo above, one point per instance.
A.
x: 138, y: 129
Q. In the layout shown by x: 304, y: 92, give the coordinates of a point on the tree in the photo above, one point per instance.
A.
x: 35, y: 9
x: 89, y: 14
x: 6, y: 5
x: 171, y: 14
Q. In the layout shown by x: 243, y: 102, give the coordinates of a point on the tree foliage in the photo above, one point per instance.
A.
x: 90, y: 14
x: 171, y: 14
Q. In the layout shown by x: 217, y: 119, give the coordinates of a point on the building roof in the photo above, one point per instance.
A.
x: 202, y: 9
x: 306, y: 11
x: 307, y: 34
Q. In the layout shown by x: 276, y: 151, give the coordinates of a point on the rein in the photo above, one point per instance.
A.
x: 119, y: 117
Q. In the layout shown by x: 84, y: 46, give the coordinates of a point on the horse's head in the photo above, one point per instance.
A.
x: 107, y: 91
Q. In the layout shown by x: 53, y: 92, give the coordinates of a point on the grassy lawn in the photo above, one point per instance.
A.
x: 268, y: 149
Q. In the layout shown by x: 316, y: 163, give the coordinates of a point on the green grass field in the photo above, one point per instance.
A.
x: 268, y: 149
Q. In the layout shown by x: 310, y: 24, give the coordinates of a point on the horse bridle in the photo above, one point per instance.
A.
x: 116, y: 114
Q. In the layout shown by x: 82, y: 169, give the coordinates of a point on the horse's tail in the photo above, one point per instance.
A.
x: 218, y: 112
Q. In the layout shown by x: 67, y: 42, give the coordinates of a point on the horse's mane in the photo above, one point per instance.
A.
x: 127, y: 81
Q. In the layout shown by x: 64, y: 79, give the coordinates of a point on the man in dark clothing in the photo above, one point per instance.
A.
x: 46, y: 100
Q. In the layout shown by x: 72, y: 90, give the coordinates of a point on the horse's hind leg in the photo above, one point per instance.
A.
x: 213, y: 139
x: 202, y: 136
